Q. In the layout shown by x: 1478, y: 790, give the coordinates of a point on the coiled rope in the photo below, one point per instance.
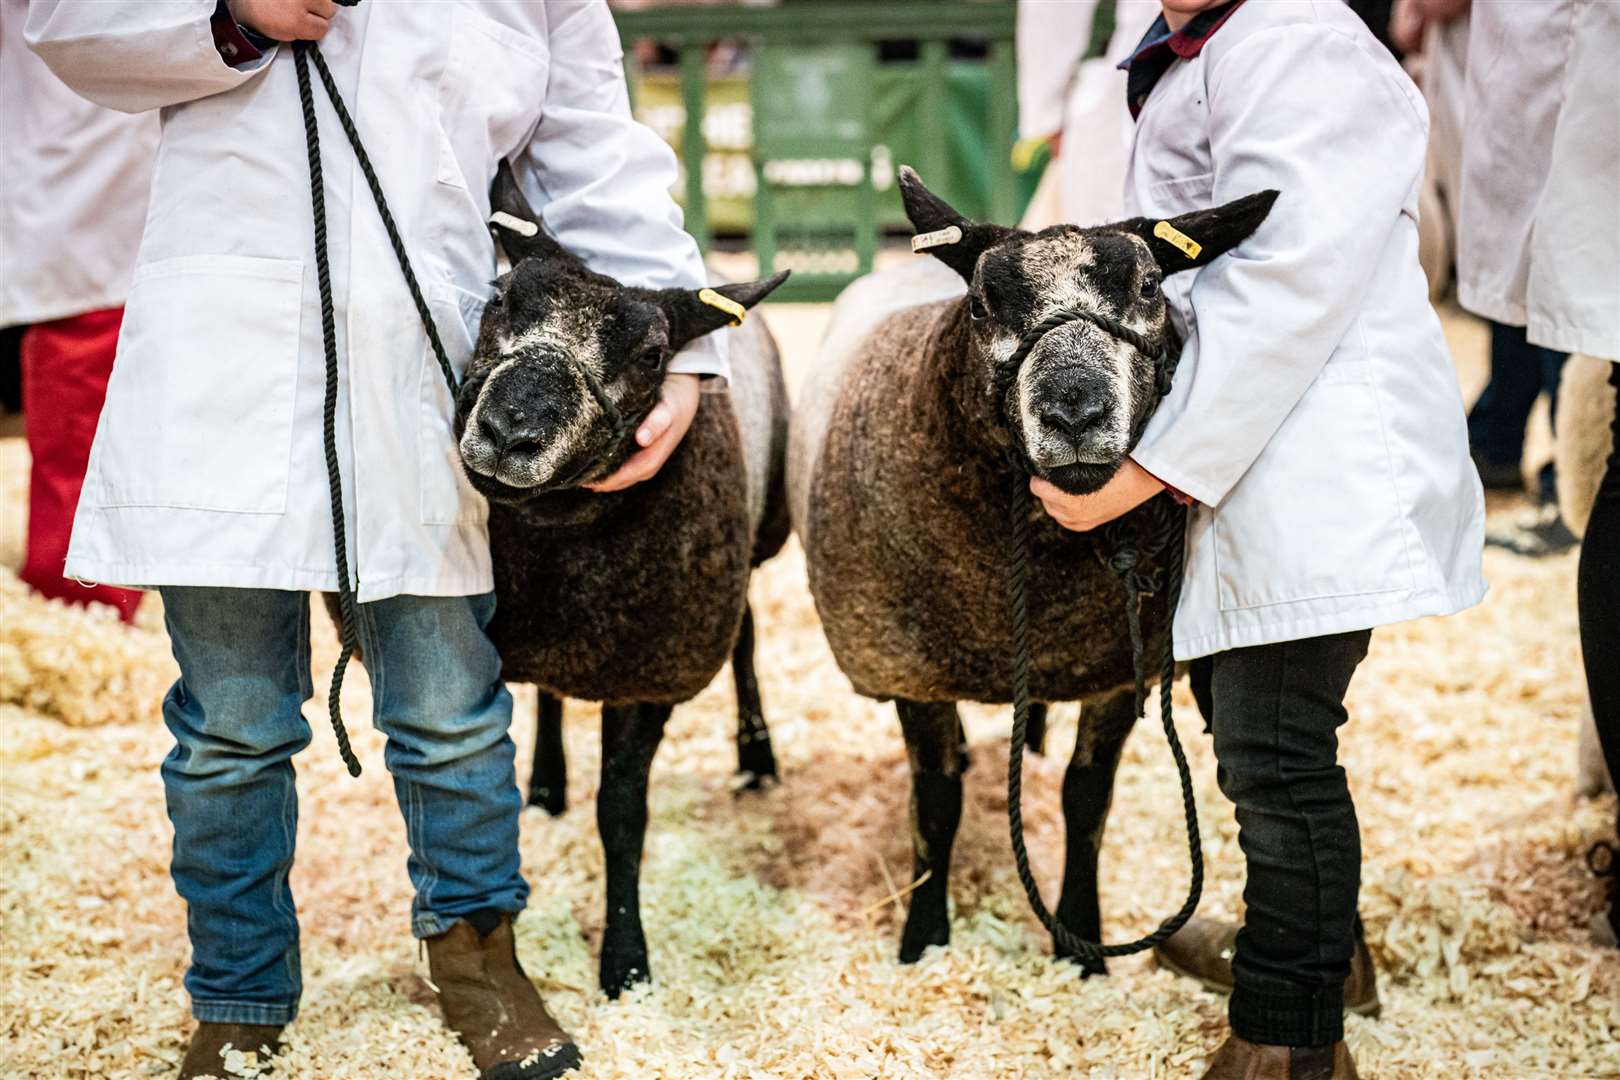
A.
x: 348, y: 630
x: 1126, y: 546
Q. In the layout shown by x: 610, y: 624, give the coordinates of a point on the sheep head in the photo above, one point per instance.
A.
x: 556, y: 340
x: 1079, y: 402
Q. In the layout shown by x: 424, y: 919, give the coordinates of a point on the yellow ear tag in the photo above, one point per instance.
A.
x: 1172, y: 235
x: 950, y: 234
x: 724, y: 303
x: 515, y: 223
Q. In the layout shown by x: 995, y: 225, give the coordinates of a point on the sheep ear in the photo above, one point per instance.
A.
x: 695, y: 312
x: 517, y: 228
x: 1192, y: 240
x: 941, y: 231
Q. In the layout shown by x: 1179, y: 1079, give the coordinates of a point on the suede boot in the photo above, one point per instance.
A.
x: 1203, y: 950
x: 224, y: 1051
x: 1239, y: 1059
x: 494, y: 1008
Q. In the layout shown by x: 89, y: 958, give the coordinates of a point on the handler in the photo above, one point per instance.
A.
x: 1316, y: 423
x: 73, y: 184
x: 207, y: 478
x: 1540, y: 250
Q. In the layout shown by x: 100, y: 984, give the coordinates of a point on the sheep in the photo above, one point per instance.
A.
x: 1585, y: 436
x: 898, y: 483
x: 635, y: 598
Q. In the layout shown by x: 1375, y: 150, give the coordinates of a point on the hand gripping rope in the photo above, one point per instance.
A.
x: 1125, y: 546
x: 349, y: 629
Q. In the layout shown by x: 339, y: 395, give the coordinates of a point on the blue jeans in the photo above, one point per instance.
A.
x: 235, y: 716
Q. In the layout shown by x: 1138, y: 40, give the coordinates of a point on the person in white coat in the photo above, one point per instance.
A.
x: 1077, y: 105
x: 73, y: 183
x: 207, y: 478
x: 1316, y: 425
x: 1539, y: 247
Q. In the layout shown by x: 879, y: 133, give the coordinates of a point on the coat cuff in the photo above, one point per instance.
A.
x: 1182, y: 485
x: 239, y: 46
x: 704, y: 357
x: 1174, y: 492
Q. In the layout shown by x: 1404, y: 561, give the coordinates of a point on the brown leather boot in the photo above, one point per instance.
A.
x: 229, y: 1050
x: 1239, y: 1059
x: 494, y: 1008
x: 1203, y: 950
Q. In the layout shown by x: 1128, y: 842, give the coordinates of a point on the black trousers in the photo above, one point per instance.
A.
x: 1275, y: 711
x: 1599, y: 594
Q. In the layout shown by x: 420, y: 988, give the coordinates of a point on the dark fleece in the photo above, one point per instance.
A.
x: 636, y: 596
x: 907, y: 538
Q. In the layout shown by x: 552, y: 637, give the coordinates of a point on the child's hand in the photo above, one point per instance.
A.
x: 285, y: 20
x: 658, y: 435
x: 1131, y: 487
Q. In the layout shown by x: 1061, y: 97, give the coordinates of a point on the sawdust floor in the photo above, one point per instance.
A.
x: 772, y: 939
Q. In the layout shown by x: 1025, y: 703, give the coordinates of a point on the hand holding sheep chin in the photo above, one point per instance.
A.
x: 658, y: 435
x: 1129, y: 488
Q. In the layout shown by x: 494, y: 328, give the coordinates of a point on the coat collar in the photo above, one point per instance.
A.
x: 1160, y: 47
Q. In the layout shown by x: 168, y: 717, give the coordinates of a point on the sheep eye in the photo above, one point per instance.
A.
x: 652, y: 358
x: 976, y: 308
x: 1150, y: 288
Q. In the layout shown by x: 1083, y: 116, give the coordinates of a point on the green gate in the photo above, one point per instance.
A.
x: 840, y: 94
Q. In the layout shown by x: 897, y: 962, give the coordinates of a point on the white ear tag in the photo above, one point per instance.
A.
x: 516, y: 224
x: 950, y: 234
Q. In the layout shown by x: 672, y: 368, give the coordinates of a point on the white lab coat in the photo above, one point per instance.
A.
x: 1315, y: 416
x: 1057, y: 91
x: 1539, y: 229
x: 208, y: 466
x: 73, y: 183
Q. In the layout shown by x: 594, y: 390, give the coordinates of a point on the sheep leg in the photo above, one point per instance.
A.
x: 934, y: 748
x: 630, y: 738
x: 1088, y: 789
x: 755, y: 759
x: 1035, y: 728
x: 548, y: 779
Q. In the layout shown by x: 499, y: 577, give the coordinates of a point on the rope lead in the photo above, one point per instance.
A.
x: 348, y: 630
x: 1157, y: 530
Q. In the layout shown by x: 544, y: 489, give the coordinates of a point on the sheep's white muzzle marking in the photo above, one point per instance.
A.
x: 527, y: 468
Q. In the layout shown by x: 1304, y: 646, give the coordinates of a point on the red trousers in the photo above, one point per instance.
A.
x: 65, y: 366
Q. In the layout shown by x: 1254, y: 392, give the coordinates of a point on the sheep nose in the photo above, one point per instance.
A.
x: 1076, y: 418
x: 508, y: 429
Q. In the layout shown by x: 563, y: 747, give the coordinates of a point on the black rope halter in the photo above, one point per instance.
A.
x: 1127, y: 546
x: 348, y: 630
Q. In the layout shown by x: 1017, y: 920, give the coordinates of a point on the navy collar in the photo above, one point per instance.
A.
x: 1160, y: 47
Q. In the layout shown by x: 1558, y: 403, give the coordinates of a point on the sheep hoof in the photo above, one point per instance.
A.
x: 919, y: 934
x: 552, y: 800
x: 1088, y: 967
x: 747, y: 780
x: 623, y: 971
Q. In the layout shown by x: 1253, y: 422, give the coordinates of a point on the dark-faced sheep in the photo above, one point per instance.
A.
x: 899, y: 475
x: 634, y: 598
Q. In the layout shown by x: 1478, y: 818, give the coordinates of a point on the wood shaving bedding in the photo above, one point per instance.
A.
x: 773, y: 918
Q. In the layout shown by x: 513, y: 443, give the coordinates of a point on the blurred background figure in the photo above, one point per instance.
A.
x: 1071, y: 97
x: 74, y: 179
x: 1538, y: 247
x: 1436, y: 34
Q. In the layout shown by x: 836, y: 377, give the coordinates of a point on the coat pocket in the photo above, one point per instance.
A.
x: 447, y: 498
x: 199, y: 409
x: 1318, y: 514
x: 489, y: 96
